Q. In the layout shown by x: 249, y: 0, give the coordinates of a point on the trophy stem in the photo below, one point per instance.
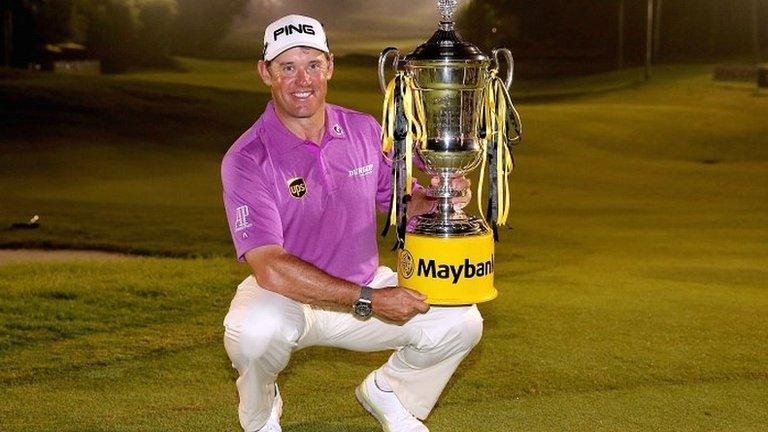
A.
x: 445, y: 193
x: 447, y: 220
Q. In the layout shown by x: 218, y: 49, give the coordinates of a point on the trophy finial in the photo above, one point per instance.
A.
x: 447, y: 9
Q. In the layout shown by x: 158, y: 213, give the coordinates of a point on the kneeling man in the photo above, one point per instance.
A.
x: 301, y: 187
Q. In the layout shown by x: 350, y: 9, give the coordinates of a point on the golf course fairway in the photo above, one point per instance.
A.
x: 632, y: 278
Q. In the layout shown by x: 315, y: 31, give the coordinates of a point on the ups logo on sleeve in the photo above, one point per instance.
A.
x: 297, y: 187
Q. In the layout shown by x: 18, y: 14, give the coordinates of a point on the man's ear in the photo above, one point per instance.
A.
x: 264, y: 73
x: 330, y: 66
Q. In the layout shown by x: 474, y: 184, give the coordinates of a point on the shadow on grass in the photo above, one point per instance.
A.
x: 316, y: 426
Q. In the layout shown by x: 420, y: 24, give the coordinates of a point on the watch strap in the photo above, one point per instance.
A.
x: 366, y: 293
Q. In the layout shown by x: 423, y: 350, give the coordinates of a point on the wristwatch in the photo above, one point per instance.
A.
x: 362, y: 306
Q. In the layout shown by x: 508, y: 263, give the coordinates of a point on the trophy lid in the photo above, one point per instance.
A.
x: 446, y: 44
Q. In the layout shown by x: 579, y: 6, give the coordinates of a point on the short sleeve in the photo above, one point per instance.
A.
x: 384, y: 188
x: 252, y: 213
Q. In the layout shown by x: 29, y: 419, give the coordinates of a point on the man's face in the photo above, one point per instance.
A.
x: 298, y: 78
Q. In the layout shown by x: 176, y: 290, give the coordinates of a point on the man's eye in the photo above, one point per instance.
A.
x: 288, y: 68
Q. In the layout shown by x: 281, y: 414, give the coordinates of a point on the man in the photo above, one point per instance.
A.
x: 300, y: 190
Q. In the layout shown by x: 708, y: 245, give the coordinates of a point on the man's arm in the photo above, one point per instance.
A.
x: 279, y: 271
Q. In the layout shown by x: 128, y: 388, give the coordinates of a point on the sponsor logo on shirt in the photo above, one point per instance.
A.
x: 297, y: 187
x: 361, y: 170
x: 241, y: 218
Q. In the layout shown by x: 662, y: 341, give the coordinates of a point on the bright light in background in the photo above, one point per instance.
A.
x: 365, y: 26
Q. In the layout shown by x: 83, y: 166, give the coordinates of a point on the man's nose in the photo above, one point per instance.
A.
x: 303, y: 76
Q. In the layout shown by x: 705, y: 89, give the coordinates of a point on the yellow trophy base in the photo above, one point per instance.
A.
x: 449, y: 271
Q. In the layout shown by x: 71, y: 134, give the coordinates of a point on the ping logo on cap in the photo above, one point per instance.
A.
x: 290, y: 29
x: 296, y: 187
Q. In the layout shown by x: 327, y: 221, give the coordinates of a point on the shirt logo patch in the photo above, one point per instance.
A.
x: 297, y: 187
x: 361, y: 170
x: 241, y: 218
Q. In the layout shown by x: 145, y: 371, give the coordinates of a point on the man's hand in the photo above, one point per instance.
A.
x: 461, y: 184
x: 398, y: 304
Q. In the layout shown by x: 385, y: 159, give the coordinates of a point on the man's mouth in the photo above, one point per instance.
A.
x: 302, y: 94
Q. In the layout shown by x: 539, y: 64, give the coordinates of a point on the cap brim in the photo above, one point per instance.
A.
x: 319, y: 47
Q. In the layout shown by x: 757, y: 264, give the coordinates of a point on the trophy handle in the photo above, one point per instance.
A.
x: 510, y: 62
x: 517, y: 125
x: 382, y: 61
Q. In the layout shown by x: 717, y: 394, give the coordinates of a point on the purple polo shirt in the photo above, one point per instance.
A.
x: 317, y: 202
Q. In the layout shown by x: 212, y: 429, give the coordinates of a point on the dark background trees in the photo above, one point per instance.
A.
x: 586, y: 33
x: 201, y: 25
x: 553, y: 36
x: 120, y: 33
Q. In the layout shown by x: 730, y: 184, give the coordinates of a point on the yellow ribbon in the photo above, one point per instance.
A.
x: 388, y: 119
x: 413, y: 108
x: 495, y: 113
x: 388, y: 139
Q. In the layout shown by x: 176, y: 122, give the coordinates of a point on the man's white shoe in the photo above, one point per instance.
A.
x: 387, y: 409
x: 273, y: 423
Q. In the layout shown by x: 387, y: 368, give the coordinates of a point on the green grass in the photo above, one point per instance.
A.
x: 633, y: 278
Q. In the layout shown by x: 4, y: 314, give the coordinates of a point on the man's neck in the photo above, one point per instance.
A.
x: 309, y: 128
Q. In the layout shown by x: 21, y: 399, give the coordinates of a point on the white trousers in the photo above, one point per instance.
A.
x: 263, y: 328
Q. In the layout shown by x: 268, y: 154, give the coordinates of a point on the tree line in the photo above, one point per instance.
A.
x: 598, y: 29
x: 120, y: 33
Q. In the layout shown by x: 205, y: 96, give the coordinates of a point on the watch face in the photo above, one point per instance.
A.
x: 363, y: 309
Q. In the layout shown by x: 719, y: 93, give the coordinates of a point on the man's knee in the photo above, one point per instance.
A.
x: 248, y: 335
x: 461, y: 329
x: 470, y: 328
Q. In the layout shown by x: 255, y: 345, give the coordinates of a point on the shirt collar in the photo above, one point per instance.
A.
x: 286, y: 140
x: 333, y: 127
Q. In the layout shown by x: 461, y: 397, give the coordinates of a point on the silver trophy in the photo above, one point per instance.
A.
x: 463, y: 124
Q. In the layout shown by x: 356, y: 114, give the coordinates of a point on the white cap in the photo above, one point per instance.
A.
x: 292, y: 31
